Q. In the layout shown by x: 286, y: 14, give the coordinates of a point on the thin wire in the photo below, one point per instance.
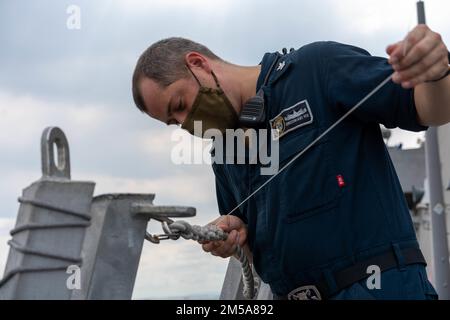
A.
x: 367, y: 97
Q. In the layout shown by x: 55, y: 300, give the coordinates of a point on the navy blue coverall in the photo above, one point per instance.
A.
x: 341, y: 202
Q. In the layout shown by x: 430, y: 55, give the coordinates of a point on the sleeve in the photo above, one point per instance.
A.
x: 225, y: 199
x: 351, y: 73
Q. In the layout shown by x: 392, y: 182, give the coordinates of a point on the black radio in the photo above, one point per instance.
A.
x: 253, y: 114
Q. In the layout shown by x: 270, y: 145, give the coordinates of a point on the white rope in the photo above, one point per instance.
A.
x: 214, y: 233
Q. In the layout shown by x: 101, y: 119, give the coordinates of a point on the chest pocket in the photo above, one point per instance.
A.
x: 309, y: 185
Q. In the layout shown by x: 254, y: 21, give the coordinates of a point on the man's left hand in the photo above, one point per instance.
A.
x: 421, y: 57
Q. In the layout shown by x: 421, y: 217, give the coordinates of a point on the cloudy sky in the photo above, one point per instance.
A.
x: 80, y: 80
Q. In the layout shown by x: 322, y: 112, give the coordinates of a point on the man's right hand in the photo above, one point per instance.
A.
x: 237, y: 234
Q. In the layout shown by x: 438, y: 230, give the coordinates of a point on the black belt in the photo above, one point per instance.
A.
x: 357, y: 272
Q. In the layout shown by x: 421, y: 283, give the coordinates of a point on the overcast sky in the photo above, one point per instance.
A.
x: 80, y: 80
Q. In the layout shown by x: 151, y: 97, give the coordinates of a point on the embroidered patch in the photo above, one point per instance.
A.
x: 290, y: 119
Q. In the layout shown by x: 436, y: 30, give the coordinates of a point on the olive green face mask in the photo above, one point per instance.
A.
x: 213, y: 109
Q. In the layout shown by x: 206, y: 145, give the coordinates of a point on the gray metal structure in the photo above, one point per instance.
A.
x: 113, y: 244
x: 50, y: 227
x: 437, y: 204
x: 61, y: 227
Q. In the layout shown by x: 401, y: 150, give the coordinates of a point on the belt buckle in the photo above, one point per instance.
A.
x: 305, y: 293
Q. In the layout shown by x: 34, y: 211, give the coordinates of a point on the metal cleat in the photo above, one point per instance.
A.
x: 162, y: 214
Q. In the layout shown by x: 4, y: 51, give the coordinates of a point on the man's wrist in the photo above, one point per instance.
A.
x: 443, y: 77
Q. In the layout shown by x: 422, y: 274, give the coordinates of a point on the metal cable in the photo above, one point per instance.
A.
x: 367, y: 97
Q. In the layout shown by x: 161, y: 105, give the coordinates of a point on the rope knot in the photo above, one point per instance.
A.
x: 212, y: 233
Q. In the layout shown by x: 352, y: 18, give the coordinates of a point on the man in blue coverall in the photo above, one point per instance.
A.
x: 315, y: 230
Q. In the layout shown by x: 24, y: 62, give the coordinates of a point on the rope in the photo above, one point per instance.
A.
x: 213, y: 233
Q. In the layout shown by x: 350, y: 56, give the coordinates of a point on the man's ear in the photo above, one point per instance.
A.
x: 195, y: 60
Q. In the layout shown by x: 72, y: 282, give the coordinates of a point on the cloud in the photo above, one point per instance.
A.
x: 101, y: 140
x: 178, y: 269
x: 141, y: 8
x: 177, y: 189
x: 95, y: 63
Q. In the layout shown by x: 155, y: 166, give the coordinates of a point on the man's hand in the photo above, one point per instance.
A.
x: 237, y: 231
x: 421, y: 57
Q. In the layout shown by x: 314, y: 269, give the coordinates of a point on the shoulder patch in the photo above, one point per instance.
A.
x: 280, y: 69
x: 290, y: 119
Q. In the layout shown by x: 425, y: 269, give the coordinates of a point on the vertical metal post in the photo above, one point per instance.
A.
x: 421, y: 12
x: 51, y: 224
x: 112, y: 248
x: 232, y: 284
x: 437, y: 205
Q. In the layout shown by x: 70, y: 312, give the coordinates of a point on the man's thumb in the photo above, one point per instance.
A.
x: 225, y: 224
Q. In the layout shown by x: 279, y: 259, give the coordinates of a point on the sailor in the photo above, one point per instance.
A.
x: 318, y: 228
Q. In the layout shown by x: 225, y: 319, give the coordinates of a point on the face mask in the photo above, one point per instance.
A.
x: 213, y: 109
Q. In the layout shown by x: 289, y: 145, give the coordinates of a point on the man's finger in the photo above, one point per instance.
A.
x: 214, y: 253
x: 230, y: 252
x: 224, y: 223
x: 242, y: 238
x: 228, y: 224
x: 232, y: 238
x: 414, y: 37
x: 210, y: 246
x: 418, y: 68
x: 392, y: 47
x: 207, y: 247
x: 226, y: 249
x: 418, y: 52
x: 432, y: 73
